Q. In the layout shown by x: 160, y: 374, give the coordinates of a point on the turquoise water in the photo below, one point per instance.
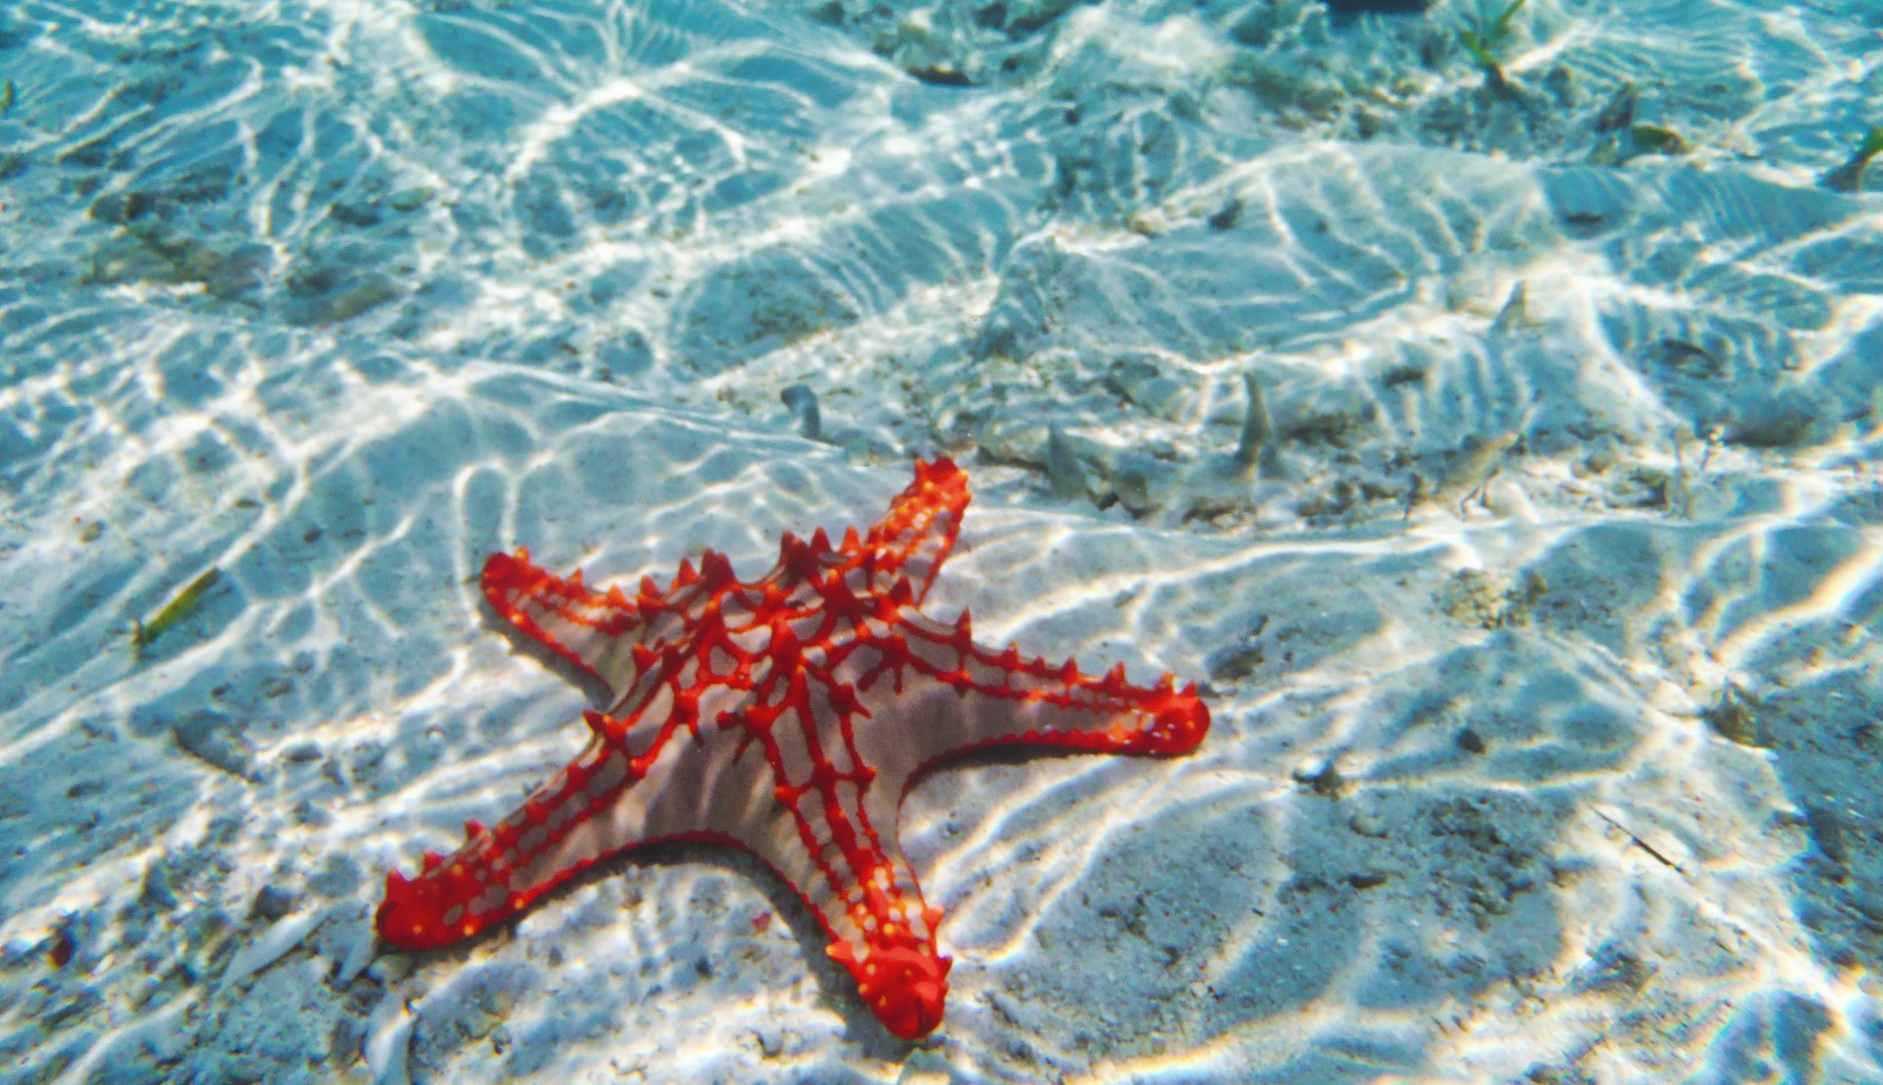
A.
x: 1483, y: 410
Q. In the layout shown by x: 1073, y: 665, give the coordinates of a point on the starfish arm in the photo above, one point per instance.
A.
x: 918, y: 532
x: 853, y: 877
x: 958, y: 696
x: 584, y: 813
x: 642, y: 778
x: 594, y: 631
x: 828, y: 826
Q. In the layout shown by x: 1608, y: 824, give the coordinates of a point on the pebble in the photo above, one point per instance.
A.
x: 1367, y: 823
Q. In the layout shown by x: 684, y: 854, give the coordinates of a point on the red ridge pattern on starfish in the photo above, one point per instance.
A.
x: 785, y: 715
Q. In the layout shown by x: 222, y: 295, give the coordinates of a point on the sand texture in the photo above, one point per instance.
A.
x: 1495, y: 438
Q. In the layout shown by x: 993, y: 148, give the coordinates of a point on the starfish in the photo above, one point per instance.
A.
x: 787, y: 715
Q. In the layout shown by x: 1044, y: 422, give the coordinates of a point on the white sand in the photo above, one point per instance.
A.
x: 1561, y: 765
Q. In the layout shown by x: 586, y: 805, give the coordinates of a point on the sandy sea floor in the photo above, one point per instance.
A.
x: 1493, y: 433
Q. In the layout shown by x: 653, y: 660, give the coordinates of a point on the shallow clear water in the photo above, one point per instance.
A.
x: 1495, y: 437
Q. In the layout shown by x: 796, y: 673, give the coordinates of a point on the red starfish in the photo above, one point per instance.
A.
x: 811, y: 698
